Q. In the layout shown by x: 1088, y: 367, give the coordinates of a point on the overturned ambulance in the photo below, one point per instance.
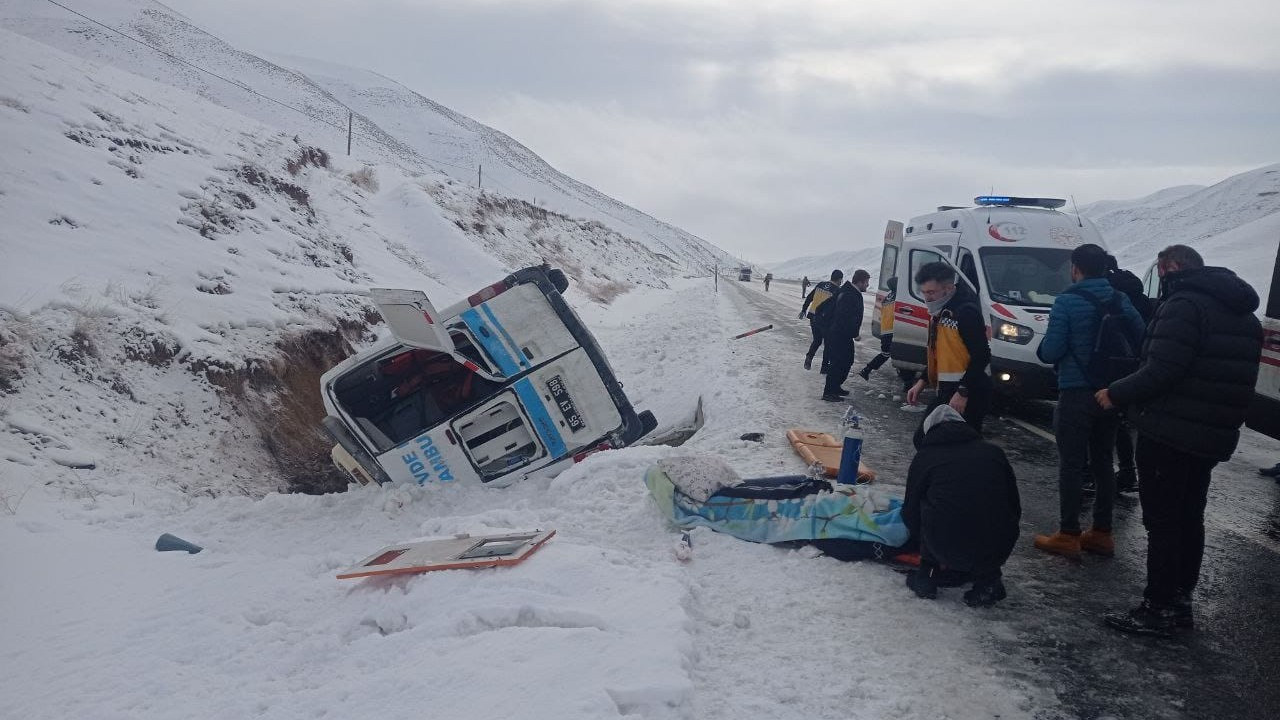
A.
x: 505, y: 385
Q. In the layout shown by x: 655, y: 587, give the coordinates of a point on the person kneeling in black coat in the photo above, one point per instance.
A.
x: 962, y: 506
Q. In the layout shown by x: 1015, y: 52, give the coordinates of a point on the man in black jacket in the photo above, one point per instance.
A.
x: 844, y: 325
x: 963, y: 508
x: 1187, y: 400
x: 822, y: 293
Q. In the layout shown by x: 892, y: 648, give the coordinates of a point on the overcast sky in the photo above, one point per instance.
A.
x: 798, y: 127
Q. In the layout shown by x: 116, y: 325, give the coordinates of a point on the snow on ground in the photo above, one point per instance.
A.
x: 603, y: 622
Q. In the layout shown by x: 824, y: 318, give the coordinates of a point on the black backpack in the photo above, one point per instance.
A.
x: 1115, y: 349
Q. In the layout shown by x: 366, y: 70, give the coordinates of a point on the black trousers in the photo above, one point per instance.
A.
x: 839, y: 361
x: 1124, y: 446
x: 817, y: 343
x: 1173, y: 487
x: 1086, y: 442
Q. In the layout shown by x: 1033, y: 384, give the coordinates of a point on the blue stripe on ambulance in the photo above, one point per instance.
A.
x: 488, y: 312
x: 491, y: 344
x: 542, y: 422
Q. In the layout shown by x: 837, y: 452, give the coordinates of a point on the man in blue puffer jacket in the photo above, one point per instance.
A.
x: 1086, y: 433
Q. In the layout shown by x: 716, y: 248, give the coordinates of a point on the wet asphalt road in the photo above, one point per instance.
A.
x: 1049, y: 630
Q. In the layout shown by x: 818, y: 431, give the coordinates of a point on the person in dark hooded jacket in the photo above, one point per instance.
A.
x: 962, y: 506
x: 1187, y: 401
x: 844, y: 324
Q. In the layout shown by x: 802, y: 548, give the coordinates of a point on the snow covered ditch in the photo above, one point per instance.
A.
x: 603, y: 622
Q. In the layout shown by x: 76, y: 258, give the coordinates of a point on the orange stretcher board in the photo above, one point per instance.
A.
x: 819, y: 447
x: 466, y: 551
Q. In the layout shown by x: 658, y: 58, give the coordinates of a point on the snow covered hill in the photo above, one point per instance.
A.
x: 1234, y: 223
x: 819, y: 267
x: 392, y: 124
x: 183, y: 255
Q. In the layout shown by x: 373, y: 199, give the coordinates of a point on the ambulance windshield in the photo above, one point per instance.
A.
x: 1026, y: 275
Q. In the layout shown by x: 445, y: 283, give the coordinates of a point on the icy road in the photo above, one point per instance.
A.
x: 604, y: 622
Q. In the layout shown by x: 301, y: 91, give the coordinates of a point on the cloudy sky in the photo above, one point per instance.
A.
x: 789, y: 127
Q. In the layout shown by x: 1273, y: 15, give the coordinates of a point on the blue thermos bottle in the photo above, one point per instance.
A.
x: 851, y: 454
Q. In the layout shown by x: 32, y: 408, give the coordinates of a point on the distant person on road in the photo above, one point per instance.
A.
x: 843, y: 328
x: 958, y: 349
x: 768, y: 278
x: 804, y: 286
x: 1085, y: 432
x: 1187, y: 400
x: 962, y: 507
x: 818, y: 317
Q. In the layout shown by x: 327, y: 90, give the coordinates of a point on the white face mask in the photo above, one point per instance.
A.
x: 936, y: 306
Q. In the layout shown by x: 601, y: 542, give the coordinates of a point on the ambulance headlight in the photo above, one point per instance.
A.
x: 1010, y: 332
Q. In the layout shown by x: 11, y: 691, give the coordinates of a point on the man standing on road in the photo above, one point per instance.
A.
x: 843, y: 328
x: 1086, y: 433
x: 1187, y: 400
x: 768, y: 278
x: 813, y: 306
x: 804, y: 286
x: 958, y: 350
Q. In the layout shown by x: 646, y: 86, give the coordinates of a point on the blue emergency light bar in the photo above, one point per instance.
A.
x: 1005, y: 200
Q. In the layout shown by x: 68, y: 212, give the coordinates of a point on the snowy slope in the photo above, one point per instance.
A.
x: 1234, y: 223
x: 170, y: 239
x: 392, y: 124
x: 819, y: 267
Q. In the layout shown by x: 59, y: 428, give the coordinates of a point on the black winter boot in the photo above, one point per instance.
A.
x: 985, y: 594
x: 1156, y: 620
x: 922, y: 583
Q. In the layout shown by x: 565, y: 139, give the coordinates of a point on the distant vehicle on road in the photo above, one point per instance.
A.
x: 506, y: 384
x: 744, y: 274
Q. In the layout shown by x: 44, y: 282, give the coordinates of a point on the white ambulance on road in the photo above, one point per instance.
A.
x: 1014, y: 252
x: 504, y: 385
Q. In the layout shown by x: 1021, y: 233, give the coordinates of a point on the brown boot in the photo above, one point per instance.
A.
x: 1098, y: 542
x: 1060, y: 543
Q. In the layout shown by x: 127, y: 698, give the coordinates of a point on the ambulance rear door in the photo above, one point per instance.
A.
x: 888, y: 269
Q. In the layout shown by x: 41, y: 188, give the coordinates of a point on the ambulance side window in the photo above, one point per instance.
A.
x: 888, y: 265
x: 920, y: 258
x: 969, y: 269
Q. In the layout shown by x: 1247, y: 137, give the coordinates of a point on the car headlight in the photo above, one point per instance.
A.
x: 1010, y: 332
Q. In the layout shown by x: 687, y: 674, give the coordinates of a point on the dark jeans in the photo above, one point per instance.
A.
x: 839, y: 361
x: 817, y: 343
x: 1086, y: 441
x: 1124, y: 446
x: 1173, y: 487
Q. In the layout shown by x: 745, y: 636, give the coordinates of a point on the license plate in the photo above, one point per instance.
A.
x: 560, y: 396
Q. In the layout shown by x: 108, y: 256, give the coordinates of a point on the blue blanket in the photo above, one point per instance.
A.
x: 776, y: 510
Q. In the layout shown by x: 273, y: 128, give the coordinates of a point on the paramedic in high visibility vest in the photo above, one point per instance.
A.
x: 819, y: 312
x: 958, y: 347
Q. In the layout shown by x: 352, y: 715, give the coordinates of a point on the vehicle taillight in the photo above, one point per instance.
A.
x: 487, y: 294
x: 591, y: 451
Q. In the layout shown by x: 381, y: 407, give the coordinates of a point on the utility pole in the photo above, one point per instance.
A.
x: 480, y: 176
x: 350, y: 116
